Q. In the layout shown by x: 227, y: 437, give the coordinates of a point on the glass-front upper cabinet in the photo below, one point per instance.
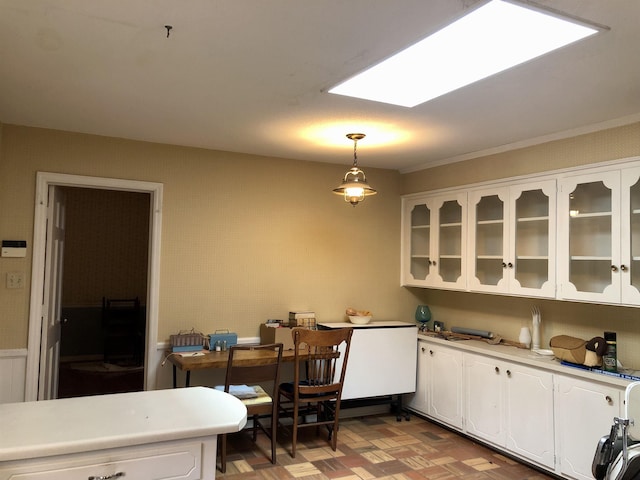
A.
x: 512, y: 247
x: 433, y: 241
x: 599, y: 237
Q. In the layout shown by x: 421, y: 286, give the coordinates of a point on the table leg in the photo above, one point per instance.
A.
x: 188, y: 379
x: 175, y: 383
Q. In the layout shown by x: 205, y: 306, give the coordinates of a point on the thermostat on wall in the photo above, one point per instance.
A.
x: 14, y: 248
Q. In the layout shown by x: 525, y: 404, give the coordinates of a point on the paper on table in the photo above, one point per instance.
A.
x: 239, y: 391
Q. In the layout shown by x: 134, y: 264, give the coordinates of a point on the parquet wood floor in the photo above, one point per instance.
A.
x: 373, y: 447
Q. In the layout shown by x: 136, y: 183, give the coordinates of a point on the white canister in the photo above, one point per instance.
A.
x: 525, y: 336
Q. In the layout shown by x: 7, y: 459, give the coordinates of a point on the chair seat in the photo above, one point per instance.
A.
x: 287, y: 389
x: 262, y: 398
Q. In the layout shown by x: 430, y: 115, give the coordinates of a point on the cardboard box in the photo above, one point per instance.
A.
x: 276, y: 335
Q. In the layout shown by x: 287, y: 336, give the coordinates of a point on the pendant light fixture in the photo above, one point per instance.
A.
x: 354, y: 186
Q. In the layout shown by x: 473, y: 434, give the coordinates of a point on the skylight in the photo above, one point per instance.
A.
x: 490, y: 39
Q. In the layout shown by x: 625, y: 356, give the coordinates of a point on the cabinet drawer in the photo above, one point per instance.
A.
x: 148, y: 462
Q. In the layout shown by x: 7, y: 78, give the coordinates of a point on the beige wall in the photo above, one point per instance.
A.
x: 505, y: 315
x: 244, y: 238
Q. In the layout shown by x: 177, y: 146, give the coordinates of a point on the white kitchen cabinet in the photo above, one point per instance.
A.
x: 512, y: 239
x: 419, y: 401
x: 180, y: 460
x: 434, y: 241
x: 439, y: 384
x: 599, y: 236
x: 584, y: 412
x: 511, y: 406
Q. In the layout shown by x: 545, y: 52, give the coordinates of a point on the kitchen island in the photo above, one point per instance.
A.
x: 143, y: 435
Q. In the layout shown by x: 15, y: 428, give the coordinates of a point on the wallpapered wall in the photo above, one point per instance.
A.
x: 106, y: 246
x: 244, y: 238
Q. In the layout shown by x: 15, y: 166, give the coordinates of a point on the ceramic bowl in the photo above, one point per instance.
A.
x: 359, y: 320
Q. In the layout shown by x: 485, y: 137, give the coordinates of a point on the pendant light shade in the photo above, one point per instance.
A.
x: 354, y: 186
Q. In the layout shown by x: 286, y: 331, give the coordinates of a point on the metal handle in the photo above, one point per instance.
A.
x: 609, y: 399
x: 510, y: 265
x: 623, y: 268
x: 614, y: 268
x: 508, y: 373
x: 424, y: 349
x: 107, y: 477
x: 504, y: 265
x: 497, y: 370
x: 433, y: 263
x: 430, y: 352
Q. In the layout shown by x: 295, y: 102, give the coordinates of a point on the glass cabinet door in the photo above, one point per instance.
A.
x: 419, y: 260
x: 630, y: 227
x: 591, y: 216
x: 490, y: 241
x: 451, y: 234
x: 533, y: 239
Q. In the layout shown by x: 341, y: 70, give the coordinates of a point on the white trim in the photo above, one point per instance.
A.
x: 530, y: 177
x: 43, y: 181
x: 13, y: 353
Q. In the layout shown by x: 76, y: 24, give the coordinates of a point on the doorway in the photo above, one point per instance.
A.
x: 43, y: 309
x: 104, y: 291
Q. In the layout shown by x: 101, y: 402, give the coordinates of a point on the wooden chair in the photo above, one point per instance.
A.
x: 320, y: 392
x: 240, y: 376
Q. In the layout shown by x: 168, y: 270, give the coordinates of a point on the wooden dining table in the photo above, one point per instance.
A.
x: 188, y: 362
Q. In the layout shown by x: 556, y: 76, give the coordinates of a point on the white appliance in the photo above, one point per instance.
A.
x: 382, y: 359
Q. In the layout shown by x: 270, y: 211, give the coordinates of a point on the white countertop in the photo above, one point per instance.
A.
x: 72, y: 425
x: 372, y: 324
x: 527, y: 357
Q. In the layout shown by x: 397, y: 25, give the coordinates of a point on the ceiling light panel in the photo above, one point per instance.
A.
x: 497, y: 36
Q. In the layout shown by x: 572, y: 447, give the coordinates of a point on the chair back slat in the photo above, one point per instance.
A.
x: 322, y: 348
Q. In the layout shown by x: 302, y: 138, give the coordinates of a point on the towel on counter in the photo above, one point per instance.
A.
x: 239, y: 391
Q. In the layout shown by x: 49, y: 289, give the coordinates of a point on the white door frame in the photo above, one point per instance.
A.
x: 43, y: 181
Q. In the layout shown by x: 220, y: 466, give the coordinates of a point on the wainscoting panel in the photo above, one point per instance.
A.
x: 13, y: 368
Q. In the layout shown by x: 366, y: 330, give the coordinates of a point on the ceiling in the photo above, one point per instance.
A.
x: 251, y: 76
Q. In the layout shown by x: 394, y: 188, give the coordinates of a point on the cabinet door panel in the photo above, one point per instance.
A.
x: 533, y: 239
x: 485, y: 398
x: 488, y: 214
x: 529, y: 414
x: 630, y: 237
x: 584, y: 413
x: 446, y: 385
x: 419, y: 401
x: 156, y: 462
x: 589, y: 237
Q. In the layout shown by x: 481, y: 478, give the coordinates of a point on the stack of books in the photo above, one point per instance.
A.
x: 302, y: 319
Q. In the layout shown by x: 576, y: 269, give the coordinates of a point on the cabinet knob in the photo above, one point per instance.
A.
x: 609, y: 400
x: 424, y: 349
x: 433, y: 263
x: 614, y: 268
x: 504, y: 265
x: 430, y: 352
x: 508, y: 373
x: 623, y: 268
x: 497, y: 369
x: 510, y: 265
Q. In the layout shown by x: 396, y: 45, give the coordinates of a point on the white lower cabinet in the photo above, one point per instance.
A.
x: 439, y: 384
x: 511, y: 406
x: 584, y: 413
x: 545, y: 417
x: 170, y: 460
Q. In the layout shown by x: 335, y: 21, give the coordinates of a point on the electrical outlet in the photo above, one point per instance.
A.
x: 15, y: 280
